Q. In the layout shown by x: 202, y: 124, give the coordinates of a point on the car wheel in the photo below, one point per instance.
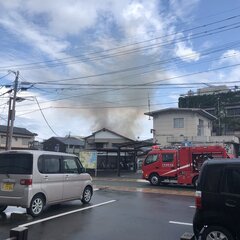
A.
x: 215, y: 232
x: 2, y: 208
x: 87, y: 195
x: 154, y: 180
x: 36, y: 206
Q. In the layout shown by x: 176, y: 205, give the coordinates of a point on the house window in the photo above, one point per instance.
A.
x: 101, y: 145
x: 115, y: 145
x: 200, y: 131
x: 3, y: 140
x: 25, y: 141
x: 56, y: 148
x: 178, y: 122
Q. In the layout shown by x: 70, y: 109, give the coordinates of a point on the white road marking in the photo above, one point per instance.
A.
x: 192, y: 206
x: 66, y: 213
x: 95, y: 189
x: 181, y: 223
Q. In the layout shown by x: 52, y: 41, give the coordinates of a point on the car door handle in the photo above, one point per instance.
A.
x: 230, y: 203
x: 45, y: 177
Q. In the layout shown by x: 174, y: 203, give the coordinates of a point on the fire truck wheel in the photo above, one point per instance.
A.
x: 154, y: 179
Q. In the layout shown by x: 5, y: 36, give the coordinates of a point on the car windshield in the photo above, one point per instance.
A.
x: 12, y: 163
x: 151, y: 159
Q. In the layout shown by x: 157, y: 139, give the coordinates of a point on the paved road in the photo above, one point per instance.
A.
x: 122, y: 215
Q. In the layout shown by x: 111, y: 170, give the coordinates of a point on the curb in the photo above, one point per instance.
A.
x: 118, y: 179
x: 147, y: 190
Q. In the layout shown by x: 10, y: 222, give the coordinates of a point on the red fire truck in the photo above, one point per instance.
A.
x: 181, y: 164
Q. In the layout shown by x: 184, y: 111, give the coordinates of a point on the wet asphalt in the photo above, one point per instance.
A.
x: 135, y: 183
x: 124, y: 215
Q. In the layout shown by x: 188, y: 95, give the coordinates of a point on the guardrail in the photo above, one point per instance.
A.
x: 18, y: 233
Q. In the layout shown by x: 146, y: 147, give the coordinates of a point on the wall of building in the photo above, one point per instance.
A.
x: 224, y: 105
x: 104, y: 139
x: 19, y: 142
x: 53, y: 145
x: 164, y: 130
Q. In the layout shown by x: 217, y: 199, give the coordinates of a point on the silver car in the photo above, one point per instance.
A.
x: 32, y: 179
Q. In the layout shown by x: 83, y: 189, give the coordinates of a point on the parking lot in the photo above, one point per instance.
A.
x: 111, y: 215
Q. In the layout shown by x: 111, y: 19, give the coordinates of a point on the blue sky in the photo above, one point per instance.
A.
x: 93, y: 64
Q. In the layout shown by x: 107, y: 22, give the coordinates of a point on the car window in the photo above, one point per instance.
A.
x: 151, y: 159
x: 232, y: 181
x: 167, y: 157
x: 16, y: 163
x: 49, y: 164
x: 212, y: 178
x: 70, y: 165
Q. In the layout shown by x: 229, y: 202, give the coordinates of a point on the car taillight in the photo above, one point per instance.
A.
x: 26, y: 182
x: 198, y: 199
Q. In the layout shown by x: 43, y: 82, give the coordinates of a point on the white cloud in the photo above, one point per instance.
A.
x: 56, y: 29
x: 32, y: 34
x: 186, y: 53
x: 183, y: 9
x: 141, y: 19
x: 65, y: 17
x: 231, y: 56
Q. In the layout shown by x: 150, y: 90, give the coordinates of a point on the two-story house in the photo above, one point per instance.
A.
x: 105, y: 139
x: 106, y: 144
x: 22, y: 138
x: 186, y: 126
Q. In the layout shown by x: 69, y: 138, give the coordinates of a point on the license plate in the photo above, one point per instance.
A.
x: 7, y: 187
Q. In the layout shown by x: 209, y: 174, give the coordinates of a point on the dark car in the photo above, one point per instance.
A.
x: 217, y: 213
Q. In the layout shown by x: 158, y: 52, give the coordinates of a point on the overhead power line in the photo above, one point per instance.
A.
x: 5, y: 75
x: 149, y: 47
x: 138, y: 85
x: 145, y: 84
x: 88, y: 107
x: 200, y: 34
x: 100, y: 106
x: 45, y: 118
x: 148, y: 65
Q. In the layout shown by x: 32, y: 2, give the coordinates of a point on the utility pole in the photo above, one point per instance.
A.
x: 11, y: 113
x: 68, y: 140
x: 149, y: 103
x: 219, y: 118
